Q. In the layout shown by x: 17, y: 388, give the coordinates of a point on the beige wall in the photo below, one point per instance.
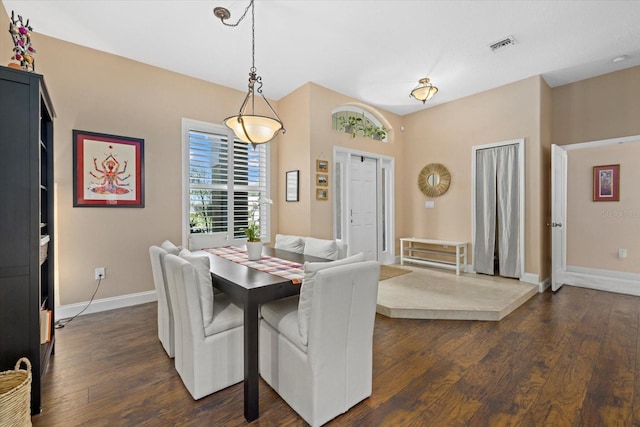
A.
x: 546, y: 120
x: 599, y: 108
x: 446, y: 133
x: 293, y: 154
x: 602, y: 107
x: 596, y: 230
x: 99, y: 92
x: 307, y: 115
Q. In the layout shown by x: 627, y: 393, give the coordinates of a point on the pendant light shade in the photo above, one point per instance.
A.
x: 248, y: 126
x: 424, y: 91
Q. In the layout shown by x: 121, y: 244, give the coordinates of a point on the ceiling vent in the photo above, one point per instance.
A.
x: 500, y: 44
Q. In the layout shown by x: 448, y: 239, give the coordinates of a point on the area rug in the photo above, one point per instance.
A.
x: 387, y: 272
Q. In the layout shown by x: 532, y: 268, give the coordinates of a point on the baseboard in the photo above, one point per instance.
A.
x: 104, y: 304
x: 602, y: 280
x: 542, y: 286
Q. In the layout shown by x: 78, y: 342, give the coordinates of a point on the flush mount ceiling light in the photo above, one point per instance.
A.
x: 248, y: 126
x: 424, y: 91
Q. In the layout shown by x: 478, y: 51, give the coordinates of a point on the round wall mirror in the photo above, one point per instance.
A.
x: 434, y: 180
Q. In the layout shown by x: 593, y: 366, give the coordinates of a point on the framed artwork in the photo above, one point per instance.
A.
x: 322, y: 166
x: 322, y: 194
x: 108, y: 170
x: 606, y: 183
x: 292, y: 190
x: 322, y: 180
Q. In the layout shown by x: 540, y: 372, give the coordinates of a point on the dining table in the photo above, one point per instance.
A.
x: 249, y: 287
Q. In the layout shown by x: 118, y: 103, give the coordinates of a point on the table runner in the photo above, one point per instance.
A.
x: 272, y: 265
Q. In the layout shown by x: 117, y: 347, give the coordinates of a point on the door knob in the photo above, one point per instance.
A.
x: 554, y: 224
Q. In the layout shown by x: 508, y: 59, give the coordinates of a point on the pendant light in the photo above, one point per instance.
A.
x: 424, y: 91
x: 248, y: 126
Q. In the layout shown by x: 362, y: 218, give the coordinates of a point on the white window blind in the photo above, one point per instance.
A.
x: 226, y: 179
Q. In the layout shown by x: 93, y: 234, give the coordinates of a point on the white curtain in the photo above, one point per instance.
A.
x: 497, y: 211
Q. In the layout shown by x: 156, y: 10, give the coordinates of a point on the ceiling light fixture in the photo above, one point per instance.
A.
x: 424, y: 91
x: 619, y: 58
x: 248, y: 126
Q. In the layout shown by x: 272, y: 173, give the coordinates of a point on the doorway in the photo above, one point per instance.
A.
x: 364, y: 203
x: 594, y: 242
x: 498, y: 208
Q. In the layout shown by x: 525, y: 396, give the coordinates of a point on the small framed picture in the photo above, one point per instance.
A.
x: 322, y: 180
x: 293, y: 193
x: 322, y: 194
x: 606, y: 183
x: 322, y: 166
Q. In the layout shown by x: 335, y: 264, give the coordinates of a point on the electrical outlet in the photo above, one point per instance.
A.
x: 622, y: 253
x: 100, y: 273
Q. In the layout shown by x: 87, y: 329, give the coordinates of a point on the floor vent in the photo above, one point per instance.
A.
x: 506, y: 42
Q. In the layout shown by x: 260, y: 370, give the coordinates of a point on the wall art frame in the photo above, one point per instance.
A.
x: 606, y: 183
x: 108, y: 170
x: 292, y: 189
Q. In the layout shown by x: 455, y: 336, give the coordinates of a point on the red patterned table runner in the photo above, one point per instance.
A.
x: 272, y: 265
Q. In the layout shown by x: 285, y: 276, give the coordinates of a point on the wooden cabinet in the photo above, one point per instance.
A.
x: 26, y: 221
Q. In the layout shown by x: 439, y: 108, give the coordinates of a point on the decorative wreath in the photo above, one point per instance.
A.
x: 443, y: 180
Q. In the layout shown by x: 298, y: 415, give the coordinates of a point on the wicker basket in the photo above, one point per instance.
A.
x: 15, y: 396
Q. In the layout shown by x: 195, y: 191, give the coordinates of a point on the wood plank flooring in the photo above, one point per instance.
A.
x: 565, y: 359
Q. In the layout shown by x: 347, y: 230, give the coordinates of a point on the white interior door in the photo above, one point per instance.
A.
x: 558, y: 216
x: 363, y: 228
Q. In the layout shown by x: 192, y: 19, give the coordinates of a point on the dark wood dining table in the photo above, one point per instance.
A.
x: 249, y: 288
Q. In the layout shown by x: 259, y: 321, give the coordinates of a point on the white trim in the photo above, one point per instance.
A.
x: 603, y: 280
x: 601, y: 143
x: 342, y: 154
x: 521, y: 178
x: 578, y: 276
x: 104, y: 304
x: 530, y: 278
x: 542, y: 286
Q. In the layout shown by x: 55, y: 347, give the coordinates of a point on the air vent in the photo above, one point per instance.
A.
x: 500, y: 44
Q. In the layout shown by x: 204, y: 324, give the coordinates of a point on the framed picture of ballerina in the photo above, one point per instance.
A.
x: 108, y: 170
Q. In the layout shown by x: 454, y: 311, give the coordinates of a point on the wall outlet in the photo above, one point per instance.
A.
x: 622, y: 253
x: 100, y: 273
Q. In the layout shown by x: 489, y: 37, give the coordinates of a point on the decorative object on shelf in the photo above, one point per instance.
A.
x: 292, y: 189
x: 23, y: 51
x: 424, y: 91
x: 606, y: 183
x: 108, y: 170
x: 322, y: 194
x: 247, y: 125
x: 434, y: 180
x: 358, y: 126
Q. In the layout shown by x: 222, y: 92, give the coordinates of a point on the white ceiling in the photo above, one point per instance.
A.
x: 375, y: 50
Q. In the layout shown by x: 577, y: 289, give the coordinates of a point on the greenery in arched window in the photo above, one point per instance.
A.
x: 358, y: 122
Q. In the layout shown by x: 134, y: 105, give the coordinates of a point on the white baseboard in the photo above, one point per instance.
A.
x: 602, y: 280
x: 98, y: 305
x: 542, y: 286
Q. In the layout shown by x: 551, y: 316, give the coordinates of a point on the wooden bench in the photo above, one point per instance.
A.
x: 418, y: 252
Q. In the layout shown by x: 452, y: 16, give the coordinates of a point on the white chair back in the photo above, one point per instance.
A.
x: 165, y: 312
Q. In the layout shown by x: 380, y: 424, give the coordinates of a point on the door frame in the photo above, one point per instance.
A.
x: 385, y: 205
x: 521, y: 196
x: 605, y: 280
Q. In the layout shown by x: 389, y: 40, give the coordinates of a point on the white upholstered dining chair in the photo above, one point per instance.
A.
x: 316, y: 350
x: 209, y: 329
x: 165, y: 312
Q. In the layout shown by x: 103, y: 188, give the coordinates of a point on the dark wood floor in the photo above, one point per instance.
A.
x: 564, y: 359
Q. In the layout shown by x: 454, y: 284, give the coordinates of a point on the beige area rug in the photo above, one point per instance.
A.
x: 388, y: 271
x: 430, y: 293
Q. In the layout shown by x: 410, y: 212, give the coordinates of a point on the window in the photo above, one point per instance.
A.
x: 226, y: 178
